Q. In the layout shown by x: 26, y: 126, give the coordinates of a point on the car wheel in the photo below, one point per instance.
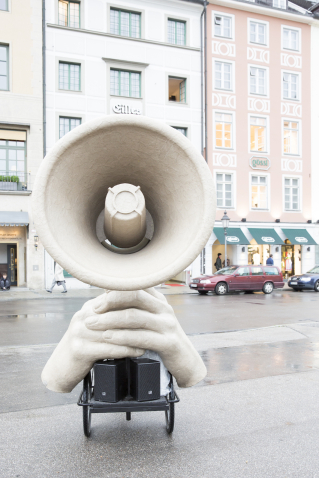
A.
x: 268, y: 288
x: 221, y: 288
x: 202, y: 292
x: 317, y: 286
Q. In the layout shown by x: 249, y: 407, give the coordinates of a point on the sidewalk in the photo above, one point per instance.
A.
x: 19, y: 293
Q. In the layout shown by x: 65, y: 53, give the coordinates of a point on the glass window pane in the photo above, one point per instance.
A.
x: 3, y: 154
x: 227, y: 177
x: 135, y: 25
x: 135, y: 85
x: 219, y: 177
x: 125, y: 83
x: 3, y: 166
x: 115, y: 82
x: 171, y: 31
x: 74, y: 15
x: 63, y: 13
x: 125, y: 23
x: 180, y: 33
x: 4, y: 5
x: 114, y: 21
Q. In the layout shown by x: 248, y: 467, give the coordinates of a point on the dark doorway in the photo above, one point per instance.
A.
x: 12, y: 263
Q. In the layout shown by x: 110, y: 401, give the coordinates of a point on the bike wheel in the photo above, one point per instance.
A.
x: 86, y: 397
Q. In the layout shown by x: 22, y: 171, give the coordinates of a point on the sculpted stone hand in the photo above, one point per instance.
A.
x: 121, y: 324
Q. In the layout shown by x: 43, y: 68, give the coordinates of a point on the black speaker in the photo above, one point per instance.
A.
x: 145, y: 379
x: 110, y: 380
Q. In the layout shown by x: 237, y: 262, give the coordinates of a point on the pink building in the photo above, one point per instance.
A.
x: 259, y: 133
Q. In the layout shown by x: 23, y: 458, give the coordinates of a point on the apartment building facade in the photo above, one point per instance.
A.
x: 259, y: 133
x: 21, y: 132
x: 123, y: 57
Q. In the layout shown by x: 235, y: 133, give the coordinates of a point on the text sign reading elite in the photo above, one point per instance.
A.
x: 259, y: 163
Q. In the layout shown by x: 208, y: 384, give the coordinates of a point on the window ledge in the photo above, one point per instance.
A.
x: 15, y: 193
x: 128, y: 97
x: 111, y: 35
x: 60, y: 90
x: 116, y: 60
x: 179, y: 103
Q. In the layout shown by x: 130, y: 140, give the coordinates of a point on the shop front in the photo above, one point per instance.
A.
x: 13, y: 232
x: 265, y: 242
x: 236, y: 243
x: 295, y: 251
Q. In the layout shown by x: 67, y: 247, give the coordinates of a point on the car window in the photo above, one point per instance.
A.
x: 315, y: 270
x: 271, y: 271
x: 243, y: 271
x: 225, y: 271
x: 257, y: 271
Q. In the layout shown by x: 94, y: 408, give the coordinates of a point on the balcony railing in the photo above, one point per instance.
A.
x: 13, y: 181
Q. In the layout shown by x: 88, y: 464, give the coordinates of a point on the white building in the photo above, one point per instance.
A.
x: 124, y: 57
x: 21, y: 133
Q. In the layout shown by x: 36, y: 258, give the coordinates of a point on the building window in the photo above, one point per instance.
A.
x: 259, y: 192
x: 12, y: 161
x: 258, y: 84
x: 69, y: 76
x: 69, y: 14
x: 291, y: 137
x: 125, y: 83
x: 290, y: 86
x: 258, y: 33
x: 223, y: 73
x: 222, y: 26
x: 177, y: 89
x: 176, y: 32
x: 223, y: 130
x: 290, y: 39
x: 280, y: 4
x: 292, y: 194
x: 125, y: 23
x: 224, y: 186
x: 4, y: 5
x: 181, y: 130
x: 67, y: 124
x: 258, y: 134
x: 4, y: 67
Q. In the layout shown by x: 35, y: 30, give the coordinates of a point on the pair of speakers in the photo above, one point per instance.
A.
x: 139, y: 379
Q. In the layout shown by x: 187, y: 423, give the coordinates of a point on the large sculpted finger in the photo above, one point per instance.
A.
x: 140, y: 299
x: 128, y: 319
x: 137, y: 339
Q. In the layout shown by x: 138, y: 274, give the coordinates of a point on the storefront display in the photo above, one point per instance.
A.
x: 258, y: 254
x: 290, y: 259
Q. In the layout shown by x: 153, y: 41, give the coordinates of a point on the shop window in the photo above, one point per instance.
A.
x: 67, y: 124
x: 125, y: 23
x: 290, y: 39
x: 223, y: 26
x: 4, y: 67
x: 258, y: 82
x: 69, y: 14
x: 13, y: 164
x: 292, y: 194
x: 223, y: 130
x: 224, y: 187
x: 181, y: 130
x: 177, y: 89
x: 290, y: 86
x: 291, y: 137
x: 258, y: 134
x: 223, y: 75
x: 176, y: 30
x: 258, y: 33
x: 259, y: 194
x: 69, y: 76
x: 125, y: 83
x: 4, y: 5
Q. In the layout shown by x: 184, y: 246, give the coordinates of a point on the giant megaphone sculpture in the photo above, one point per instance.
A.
x: 123, y: 203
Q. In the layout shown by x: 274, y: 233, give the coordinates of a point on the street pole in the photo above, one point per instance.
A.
x: 225, y: 232
x: 225, y: 224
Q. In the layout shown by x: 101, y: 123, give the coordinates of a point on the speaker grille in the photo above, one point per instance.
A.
x: 110, y: 380
x: 145, y: 379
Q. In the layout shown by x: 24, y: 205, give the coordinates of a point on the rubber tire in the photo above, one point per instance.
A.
x: 268, y: 292
x: 86, y: 397
x: 317, y: 286
x: 170, y: 418
x: 218, y: 287
x: 202, y: 292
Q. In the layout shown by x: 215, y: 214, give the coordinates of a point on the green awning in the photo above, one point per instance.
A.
x: 265, y: 236
x: 234, y: 235
x: 299, y: 236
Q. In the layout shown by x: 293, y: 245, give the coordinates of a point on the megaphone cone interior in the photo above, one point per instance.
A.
x: 74, y: 179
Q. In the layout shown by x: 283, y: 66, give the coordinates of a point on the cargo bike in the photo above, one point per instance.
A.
x: 127, y: 405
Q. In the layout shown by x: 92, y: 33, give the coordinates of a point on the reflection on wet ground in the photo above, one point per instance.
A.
x: 232, y: 364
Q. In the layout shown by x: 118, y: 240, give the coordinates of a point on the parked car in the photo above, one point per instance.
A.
x: 310, y: 280
x: 247, y: 278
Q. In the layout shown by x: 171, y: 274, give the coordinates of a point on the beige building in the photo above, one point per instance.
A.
x: 21, y: 138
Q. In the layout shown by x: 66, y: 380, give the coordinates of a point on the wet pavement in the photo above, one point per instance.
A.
x: 256, y: 414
